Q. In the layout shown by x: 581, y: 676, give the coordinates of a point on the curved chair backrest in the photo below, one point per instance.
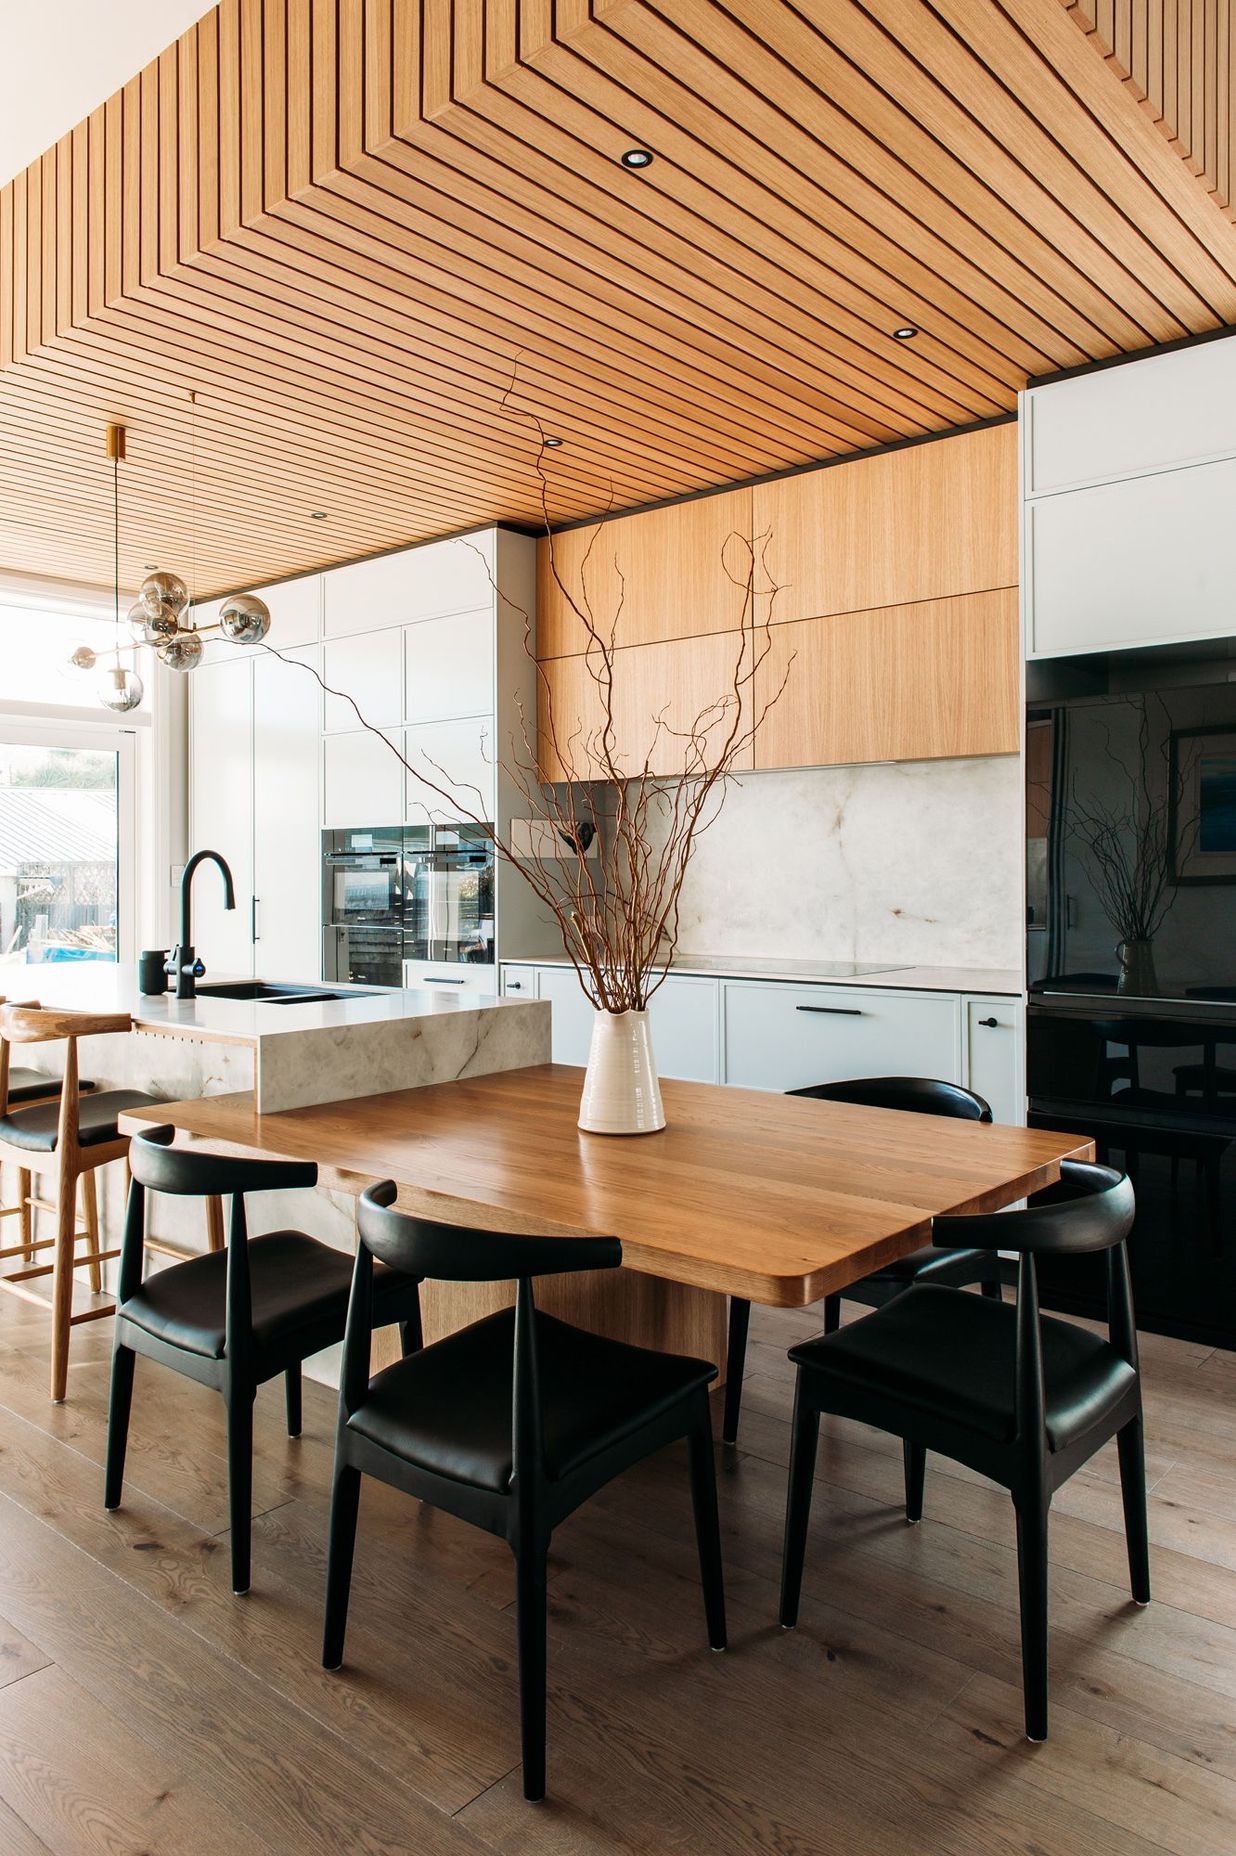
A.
x: 32, y: 1024
x: 457, y: 1253
x: 1090, y: 1208
x: 919, y: 1095
x: 154, y: 1162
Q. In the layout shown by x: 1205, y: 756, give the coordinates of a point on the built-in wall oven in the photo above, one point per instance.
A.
x: 397, y: 899
x: 364, y: 881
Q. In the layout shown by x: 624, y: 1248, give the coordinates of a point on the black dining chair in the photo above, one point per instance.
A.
x: 1022, y: 1398
x: 917, y: 1095
x: 510, y: 1423
x: 233, y: 1318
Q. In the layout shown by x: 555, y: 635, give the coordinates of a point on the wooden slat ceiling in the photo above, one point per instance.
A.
x: 1176, y: 57
x: 348, y: 226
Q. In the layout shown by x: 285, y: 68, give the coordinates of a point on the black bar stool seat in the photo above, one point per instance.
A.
x: 36, y: 1086
x: 34, y: 1130
x: 948, y: 1357
x: 448, y: 1408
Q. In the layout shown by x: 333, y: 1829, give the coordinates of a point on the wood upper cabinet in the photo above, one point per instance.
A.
x: 924, y: 522
x: 679, y: 572
x: 923, y: 681
x: 676, y: 681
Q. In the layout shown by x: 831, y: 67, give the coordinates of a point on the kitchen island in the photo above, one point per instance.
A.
x: 285, y: 1053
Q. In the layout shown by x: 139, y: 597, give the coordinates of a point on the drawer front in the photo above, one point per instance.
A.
x: 683, y: 1021
x: 445, y: 976
x: 519, y: 982
x: 995, y: 1060
x: 787, y: 1037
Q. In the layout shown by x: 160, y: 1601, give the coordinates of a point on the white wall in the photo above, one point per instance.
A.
x: 916, y: 863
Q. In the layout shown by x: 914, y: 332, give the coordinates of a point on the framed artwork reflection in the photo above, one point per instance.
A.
x: 1202, y: 784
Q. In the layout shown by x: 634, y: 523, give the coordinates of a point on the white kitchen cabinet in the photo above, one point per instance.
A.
x: 369, y: 669
x: 571, y: 1015
x: 362, y: 782
x: 295, y: 611
x: 457, y: 758
x: 221, y: 811
x: 1150, y: 560
x: 287, y: 884
x: 995, y: 1063
x: 415, y: 583
x: 684, y: 1018
x: 787, y: 1037
x: 445, y: 976
x: 449, y: 667
x: 1147, y: 415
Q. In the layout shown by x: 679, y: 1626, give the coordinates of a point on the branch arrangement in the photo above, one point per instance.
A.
x: 618, y: 911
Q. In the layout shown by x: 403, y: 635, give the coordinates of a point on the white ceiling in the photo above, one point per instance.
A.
x: 61, y: 59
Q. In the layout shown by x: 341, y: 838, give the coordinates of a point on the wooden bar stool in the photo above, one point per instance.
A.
x: 25, y: 1087
x: 65, y: 1139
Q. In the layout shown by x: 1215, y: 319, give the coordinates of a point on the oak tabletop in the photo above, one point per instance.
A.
x: 780, y: 1199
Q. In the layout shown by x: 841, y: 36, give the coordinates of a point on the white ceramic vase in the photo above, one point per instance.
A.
x: 621, y: 1091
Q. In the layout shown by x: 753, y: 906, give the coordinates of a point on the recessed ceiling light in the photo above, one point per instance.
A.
x: 317, y: 515
x: 551, y: 444
x: 905, y: 333
x: 637, y: 158
x: 150, y: 567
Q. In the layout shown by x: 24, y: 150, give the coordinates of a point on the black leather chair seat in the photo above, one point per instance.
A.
x: 34, y: 1129
x: 295, y: 1282
x: 36, y: 1086
x: 447, y: 1409
x: 950, y: 1355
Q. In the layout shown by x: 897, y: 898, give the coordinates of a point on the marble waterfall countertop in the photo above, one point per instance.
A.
x: 363, y: 1043
x: 997, y: 980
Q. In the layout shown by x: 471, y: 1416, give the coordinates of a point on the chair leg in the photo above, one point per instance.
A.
x: 735, y: 1364
x: 291, y: 1387
x: 708, y: 1526
x: 62, y: 1288
x: 25, y: 1217
x: 1133, y: 1494
x: 1032, y: 1582
x: 531, y: 1605
x: 832, y: 1313
x: 90, y: 1218
x: 993, y: 1289
x: 215, y: 1239
x: 804, y: 1443
x: 914, y: 1460
x: 119, y: 1406
x: 344, y: 1508
x: 240, y: 1483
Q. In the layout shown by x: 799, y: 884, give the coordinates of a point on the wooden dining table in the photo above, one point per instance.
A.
x: 778, y: 1199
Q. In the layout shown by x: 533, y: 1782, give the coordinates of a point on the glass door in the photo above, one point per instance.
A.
x: 66, y: 844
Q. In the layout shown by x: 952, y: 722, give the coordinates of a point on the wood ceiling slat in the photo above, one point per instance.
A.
x: 343, y: 223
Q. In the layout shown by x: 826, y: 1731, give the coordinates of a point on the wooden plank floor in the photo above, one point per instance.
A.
x: 144, y: 1709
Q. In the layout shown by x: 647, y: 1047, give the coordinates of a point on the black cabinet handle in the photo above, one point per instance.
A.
x: 832, y: 1011
x: 441, y: 979
x: 514, y: 985
x: 989, y: 1022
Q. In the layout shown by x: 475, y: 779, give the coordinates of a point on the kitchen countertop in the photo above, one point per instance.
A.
x: 105, y: 986
x: 1001, y: 980
x: 359, y: 1045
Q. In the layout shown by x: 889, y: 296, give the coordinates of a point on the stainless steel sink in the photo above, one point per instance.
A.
x: 262, y: 992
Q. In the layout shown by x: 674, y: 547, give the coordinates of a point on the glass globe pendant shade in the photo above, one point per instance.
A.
x: 245, y: 619
x: 182, y: 651
x: 83, y: 658
x: 162, y: 592
x: 120, y: 688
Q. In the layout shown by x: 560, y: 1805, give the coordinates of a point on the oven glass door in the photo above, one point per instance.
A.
x: 462, y: 900
x: 366, y: 889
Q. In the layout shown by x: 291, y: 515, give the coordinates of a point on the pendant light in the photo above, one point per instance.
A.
x: 120, y: 687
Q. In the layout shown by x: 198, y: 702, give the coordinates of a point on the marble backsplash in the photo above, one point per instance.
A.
x: 917, y: 863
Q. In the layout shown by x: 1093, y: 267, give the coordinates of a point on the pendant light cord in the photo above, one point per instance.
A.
x: 116, y: 555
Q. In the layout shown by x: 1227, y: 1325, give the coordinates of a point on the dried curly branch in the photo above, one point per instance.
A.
x: 619, y: 911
